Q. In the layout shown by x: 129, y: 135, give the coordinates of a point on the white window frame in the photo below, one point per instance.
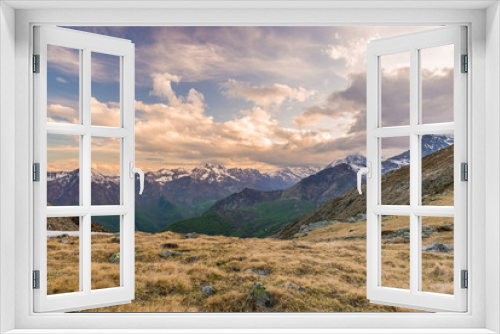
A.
x: 483, y: 100
x: 86, y: 43
x: 415, y: 297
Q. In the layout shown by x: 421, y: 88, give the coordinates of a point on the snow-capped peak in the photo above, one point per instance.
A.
x: 356, y: 161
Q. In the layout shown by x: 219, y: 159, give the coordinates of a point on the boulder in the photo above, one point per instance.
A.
x: 115, y: 240
x: 262, y: 273
x: 438, y: 247
x: 191, y: 236
x: 169, y: 245
x: 261, y: 295
x: 167, y: 254
x: 192, y: 259
x: 293, y: 286
x: 208, y: 290
x: 115, y: 258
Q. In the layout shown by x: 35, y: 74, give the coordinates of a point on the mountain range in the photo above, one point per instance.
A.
x: 437, y: 179
x: 254, y: 213
x: 174, y: 195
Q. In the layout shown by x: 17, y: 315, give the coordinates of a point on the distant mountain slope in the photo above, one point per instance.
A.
x: 260, y: 220
x: 171, y: 194
x: 254, y: 213
x: 244, y: 211
x: 318, y: 188
x: 437, y: 178
x: 430, y: 144
x: 176, y: 194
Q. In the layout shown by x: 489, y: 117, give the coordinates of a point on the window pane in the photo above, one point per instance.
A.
x: 63, y: 255
x: 395, y: 261
x: 63, y: 173
x: 395, y: 89
x: 105, y: 253
x: 395, y: 169
x: 437, y: 170
x: 105, y: 104
x: 437, y: 65
x: 437, y: 254
x: 105, y: 171
x: 63, y: 84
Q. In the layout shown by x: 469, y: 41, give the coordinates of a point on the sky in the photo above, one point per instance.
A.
x: 248, y: 97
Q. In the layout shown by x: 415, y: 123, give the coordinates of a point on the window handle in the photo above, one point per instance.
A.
x: 365, y: 170
x: 133, y: 171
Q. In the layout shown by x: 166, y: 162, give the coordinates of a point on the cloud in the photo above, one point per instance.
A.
x: 181, y: 133
x: 66, y: 61
x: 62, y: 80
x: 279, y: 54
x: 102, y: 114
x: 265, y: 96
x: 350, y: 104
x: 162, y: 86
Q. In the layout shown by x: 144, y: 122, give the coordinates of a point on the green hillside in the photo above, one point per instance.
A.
x: 209, y: 223
x: 259, y: 221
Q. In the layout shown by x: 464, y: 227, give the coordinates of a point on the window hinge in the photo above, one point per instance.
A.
x: 465, y: 64
x: 464, y: 171
x: 36, y: 172
x: 36, y: 63
x: 36, y: 279
x: 465, y: 279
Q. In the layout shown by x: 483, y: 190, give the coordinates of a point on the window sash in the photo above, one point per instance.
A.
x: 86, y: 43
x: 414, y: 298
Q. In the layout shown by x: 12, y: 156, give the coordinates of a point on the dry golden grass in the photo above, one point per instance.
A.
x: 329, y: 264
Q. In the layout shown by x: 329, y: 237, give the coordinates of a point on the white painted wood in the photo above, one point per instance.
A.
x: 95, y: 131
x: 492, y: 163
x: 7, y: 166
x: 470, y: 322
x: 86, y: 43
x: 414, y: 298
x: 243, y: 4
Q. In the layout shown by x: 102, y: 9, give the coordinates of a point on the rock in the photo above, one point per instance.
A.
x: 208, y: 290
x: 115, y: 258
x: 293, y: 286
x: 261, y: 295
x: 192, y: 259
x: 438, y: 247
x: 169, y: 245
x: 304, y: 229
x: 64, y: 241
x: 262, y: 273
x: 167, y: 254
x: 191, y: 236
x: 445, y: 228
x: 115, y: 240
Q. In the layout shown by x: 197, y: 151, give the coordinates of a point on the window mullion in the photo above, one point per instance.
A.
x: 85, y: 172
x: 415, y: 175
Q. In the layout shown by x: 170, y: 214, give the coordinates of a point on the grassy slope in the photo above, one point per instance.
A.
x: 260, y: 220
x: 210, y: 223
x: 271, y: 216
x: 329, y: 263
x: 158, y: 216
x: 437, y: 175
